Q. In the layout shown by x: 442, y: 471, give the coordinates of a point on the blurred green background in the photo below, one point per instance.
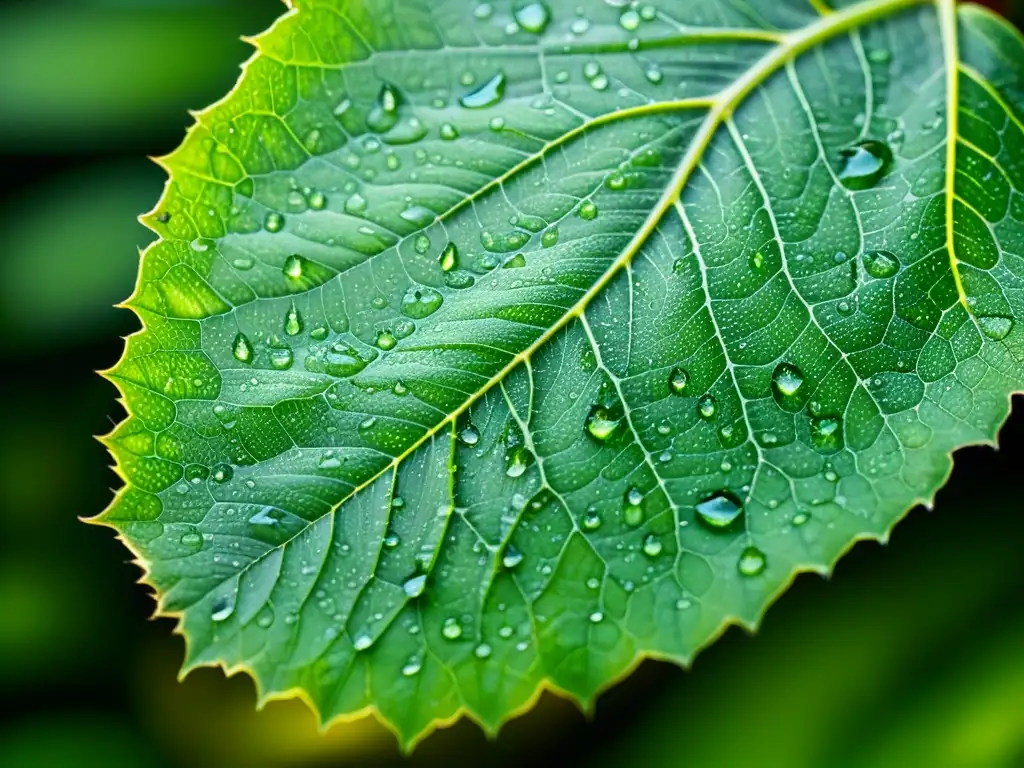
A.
x: 911, y: 654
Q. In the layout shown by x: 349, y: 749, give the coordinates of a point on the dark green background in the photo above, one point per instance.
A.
x: 911, y: 654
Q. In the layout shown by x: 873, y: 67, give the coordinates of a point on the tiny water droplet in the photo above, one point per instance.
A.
x: 752, y: 562
x: 678, y: 380
x: 864, y: 164
x: 881, y: 264
x: 487, y: 95
x: 719, y: 510
x: 469, y: 435
x: 242, y: 349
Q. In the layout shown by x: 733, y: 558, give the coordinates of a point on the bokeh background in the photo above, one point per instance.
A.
x: 911, y: 654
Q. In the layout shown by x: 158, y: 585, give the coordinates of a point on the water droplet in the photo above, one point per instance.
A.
x: 294, y: 266
x: 864, y: 164
x: 451, y: 629
x: 342, y: 360
x: 533, y: 17
x: 469, y: 435
x: 615, y: 182
x: 881, y: 264
x: 487, y: 95
x: 588, y: 210
x: 281, y: 358
x: 192, y: 539
x: 242, y: 349
x: 418, y: 215
x: 996, y: 327
x: 827, y: 433
x: 603, y: 422
x: 752, y: 562
x: 629, y: 20
x: 383, y: 116
x: 223, y: 607
x: 273, y: 222
x: 591, y: 520
x: 654, y: 74
x: 362, y: 640
x: 596, y: 617
x: 652, y: 546
x: 356, y: 204
x: 412, y: 668
x: 720, y: 510
x: 317, y: 201
x: 483, y: 11
x: 550, y: 237
x: 757, y: 261
x: 386, y: 340
x: 482, y: 651
x: 293, y: 322
x: 512, y: 557
x: 633, y: 513
x: 243, y: 263
x: 414, y: 586
x: 787, y: 383
x: 221, y: 473
x: 449, y: 132
x: 517, y: 461
x: 800, y: 518
x: 706, y: 407
x: 678, y: 380
x: 449, y: 257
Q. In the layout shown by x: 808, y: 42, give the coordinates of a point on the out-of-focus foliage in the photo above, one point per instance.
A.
x: 908, y: 655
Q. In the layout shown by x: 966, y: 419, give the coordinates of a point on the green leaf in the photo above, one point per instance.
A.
x: 494, y: 348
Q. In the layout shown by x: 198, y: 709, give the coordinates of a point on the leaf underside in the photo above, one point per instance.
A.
x: 489, y: 349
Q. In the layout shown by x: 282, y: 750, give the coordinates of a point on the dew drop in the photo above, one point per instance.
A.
x: 223, y: 607
x: 596, y: 617
x: 386, y: 340
x: 221, y: 473
x: 449, y: 257
x: 652, y: 546
x: 317, y: 201
x: 678, y: 380
x: 356, y: 204
x: 362, y: 640
x: 629, y: 20
x: 421, y: 244
x: 451, y: 629
x: 533, y: 17
x: 293, y: 322
x: 192, y: 539
x: 864, y: 164
x: 418, y: 215
x: 633, y: 512
x: 517, y: 461
x: 449, y: 132
x: 412, y: 668
x: 282, y: 358
x: 588, y: 210
x: 512, y: 557
x: 591, y: 520
x: 242, y: 349
x: 719, y: 510
x: 487, y: 95
x: 800, y: 518
x: 550, y: 237
x: 881, y: 264
x: 273, y: 222
x: 383, y: 116
x: 752, y: 562
x: 414, y: 587
x: 707, y: 407
x: 787, y: 383
x: 996, y: 327
x: 603, y: 422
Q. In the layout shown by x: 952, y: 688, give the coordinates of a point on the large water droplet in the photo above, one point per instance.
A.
x: 386, y: 340
x: 414, y: 586
x: 383, y: 115
x: 788, y: 387
x: 449, y: 258
x: 863, y: 164
x: 719, y: 510
x: 752, y: 562
x: 487, y: 95
x: 678, y: 380
x: 881, y: 264
x: 418, y: 215
x: 294, y: 267
x: 469, y: 435
x: 281, y: 358
x: 652, y: 546
x: 242, y: 349
x: 603, y: 422
x: 451, y: 629
x: 420, y: 302
x: 707, y: 406
x: 223, y: 607
x: 342, y: 360
x: 996, y: 327
x: 533, y: 17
